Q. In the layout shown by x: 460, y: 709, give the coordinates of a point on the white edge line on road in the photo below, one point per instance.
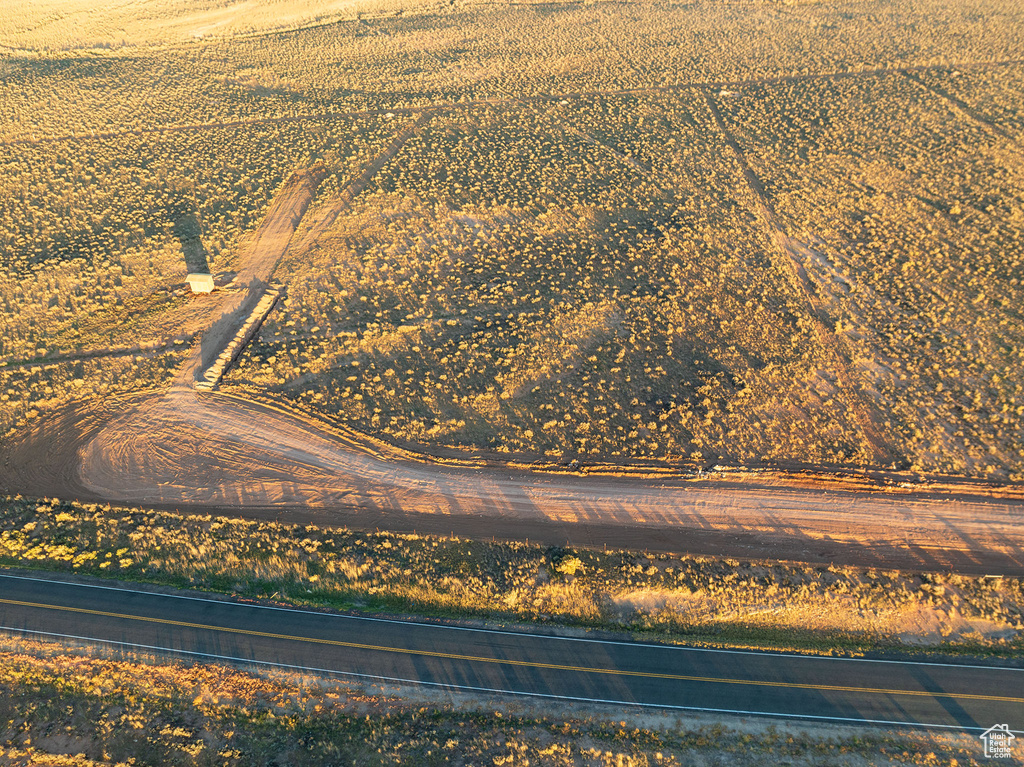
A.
x: 444, y: 685
x: 528, y: 634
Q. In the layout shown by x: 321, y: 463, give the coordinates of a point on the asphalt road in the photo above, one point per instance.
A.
x: 961, y: 697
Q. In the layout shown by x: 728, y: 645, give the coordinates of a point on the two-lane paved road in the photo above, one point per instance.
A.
x: 853, y: 690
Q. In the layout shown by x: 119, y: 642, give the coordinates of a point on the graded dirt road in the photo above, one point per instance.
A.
x: 212, y: 453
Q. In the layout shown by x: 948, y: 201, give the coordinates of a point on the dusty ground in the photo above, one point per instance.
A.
x: 138, y: 459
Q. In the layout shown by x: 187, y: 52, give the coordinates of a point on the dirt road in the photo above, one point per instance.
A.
x: 256, y: 263
x: 215, y: 453
x: 789, y: 266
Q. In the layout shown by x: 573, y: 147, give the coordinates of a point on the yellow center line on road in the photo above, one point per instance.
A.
x: 509, y: 662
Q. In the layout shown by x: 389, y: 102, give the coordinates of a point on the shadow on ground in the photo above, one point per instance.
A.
x: 189, y: 234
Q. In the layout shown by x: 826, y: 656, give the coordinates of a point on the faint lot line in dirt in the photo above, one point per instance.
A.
x: 810, y: 77
x: 102, y: 135
x: 325, y: 217
x: 647, y: 172
x: 883, y: 453
x: 499, y: 100
x: 962, y: 107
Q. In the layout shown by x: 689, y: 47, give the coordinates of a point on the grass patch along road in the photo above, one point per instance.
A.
x: 696, y: 600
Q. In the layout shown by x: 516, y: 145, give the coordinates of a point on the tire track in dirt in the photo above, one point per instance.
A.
x: 328, y: 214
x: 275, y: 237
x: 961, y: 107
x: 641, y: 169
x: 790, y: 266
x: 257, y: 261
x: 187, y: 128
x: 149, y: 350
x: 219, y: 451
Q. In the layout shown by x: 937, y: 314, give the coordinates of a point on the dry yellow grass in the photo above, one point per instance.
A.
x: 626, y: 297
x: 884, y: 137
x: 95, y: 303
x: 71, y: 24
x: 690, y: 599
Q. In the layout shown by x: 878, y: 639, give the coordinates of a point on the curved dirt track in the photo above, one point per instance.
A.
x: 215, y: 453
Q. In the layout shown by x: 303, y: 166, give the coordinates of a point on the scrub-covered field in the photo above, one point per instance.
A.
x: 711, y: 233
